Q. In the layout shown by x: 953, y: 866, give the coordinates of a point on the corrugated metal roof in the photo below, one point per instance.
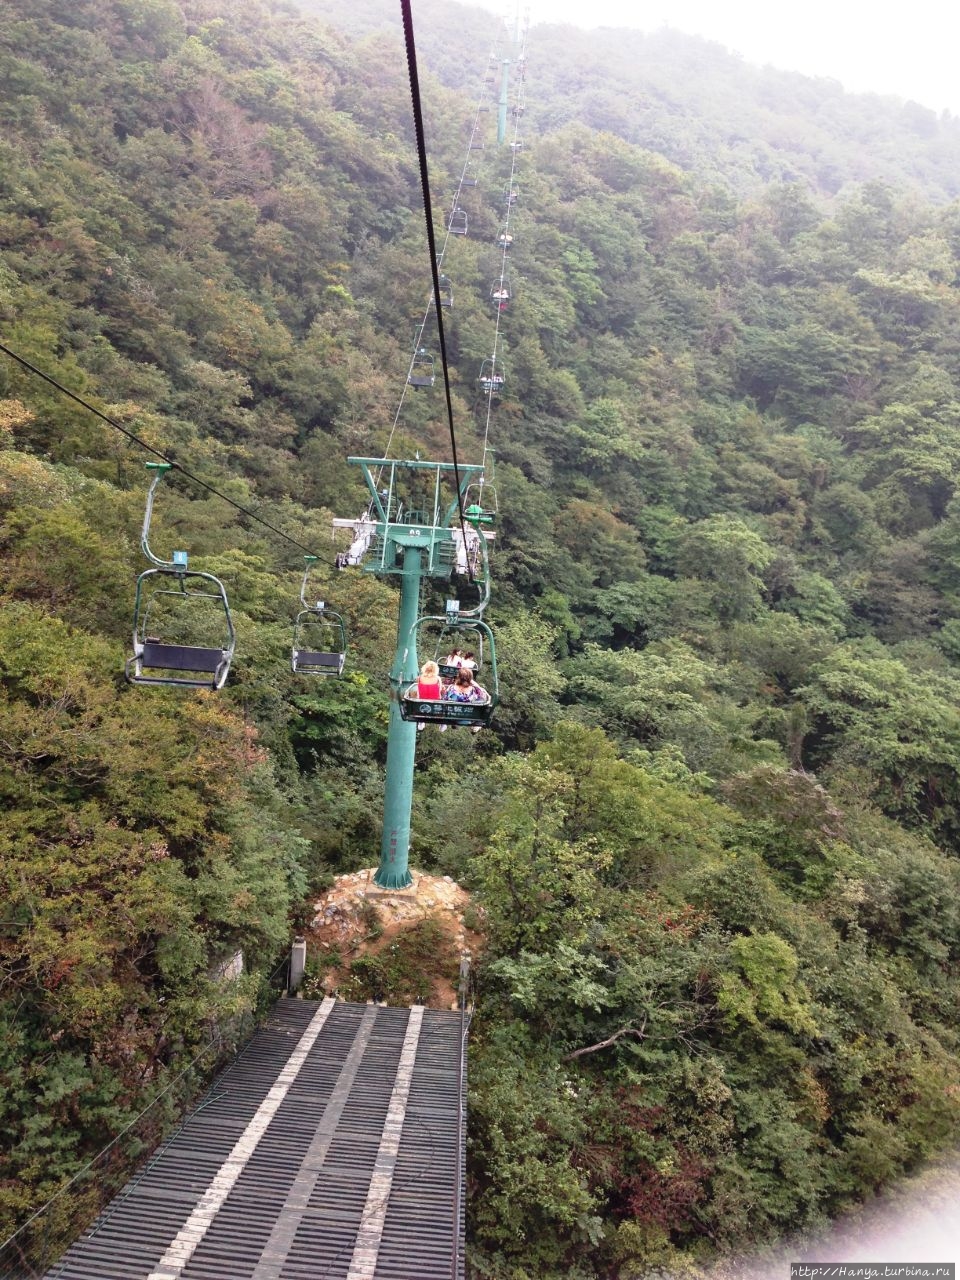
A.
x: 331, y: 1149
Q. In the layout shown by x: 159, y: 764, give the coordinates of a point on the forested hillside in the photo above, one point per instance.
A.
x: 713, y: 830
x: 694, y: 103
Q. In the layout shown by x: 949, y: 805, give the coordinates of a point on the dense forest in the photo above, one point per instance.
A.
x: 713, y: 830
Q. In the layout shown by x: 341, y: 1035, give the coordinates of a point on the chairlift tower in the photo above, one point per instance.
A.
x: 515, y: 40
x: 503, y: 102
x: 397, y: 539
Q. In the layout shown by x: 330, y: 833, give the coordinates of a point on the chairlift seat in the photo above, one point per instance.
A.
x: 317, y: 622
x: 444, y: 711
x: 310, y: 662
x: 180, y: 657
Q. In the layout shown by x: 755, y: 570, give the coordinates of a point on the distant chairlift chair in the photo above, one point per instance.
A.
x: 421, y: 369
x: 446, y: 292
x: 491, y: 379
x: 500, y: 295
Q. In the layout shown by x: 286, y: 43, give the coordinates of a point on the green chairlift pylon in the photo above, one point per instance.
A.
x: 414, y: 538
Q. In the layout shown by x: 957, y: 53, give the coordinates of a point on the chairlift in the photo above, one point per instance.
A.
x: 175, y: 607
x: 475, y: 512
x: 505, y: 239
x: 500, y: 295
x: 517, y: 145
x: 421, y: 369
x: 319, y: 636
x: 491, y: 379
x: 457, y: 225
x: 510, y: 196
x: 446, y: 292
x: 453, y: 627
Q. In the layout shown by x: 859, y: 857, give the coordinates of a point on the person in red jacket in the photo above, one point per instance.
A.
x: 428, y: 685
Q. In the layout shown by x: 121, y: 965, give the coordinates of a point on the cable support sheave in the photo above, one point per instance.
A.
x: 432, y: 245
x: 171, y: 462
x: 436, y: 301
x: 503, y: 269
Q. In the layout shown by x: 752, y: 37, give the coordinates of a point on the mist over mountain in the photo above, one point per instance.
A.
x: 692, y: 101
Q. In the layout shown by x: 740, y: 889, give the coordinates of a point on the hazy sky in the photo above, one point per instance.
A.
x: 908, y: 49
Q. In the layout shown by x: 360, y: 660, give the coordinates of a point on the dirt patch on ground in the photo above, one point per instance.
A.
x: 401, y: 946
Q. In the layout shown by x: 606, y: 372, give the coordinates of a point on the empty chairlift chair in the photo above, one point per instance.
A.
x: 458, y: 224
x: 446, y: 293
x: 183, y: 632
x: 319, y: 636
x: 421, y: 369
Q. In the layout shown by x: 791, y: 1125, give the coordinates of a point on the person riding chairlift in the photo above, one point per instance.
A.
x: 429, y: 687
x: 465, y: 689
x: 428, y: 684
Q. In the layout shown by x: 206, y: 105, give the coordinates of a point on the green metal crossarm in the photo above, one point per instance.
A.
x: 470, y: 473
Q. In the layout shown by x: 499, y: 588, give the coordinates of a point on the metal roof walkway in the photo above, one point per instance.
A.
x: 331, y: 1149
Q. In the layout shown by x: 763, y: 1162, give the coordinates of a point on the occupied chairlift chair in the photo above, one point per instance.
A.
x: 491, y: 379
x: 510, y: 196
x: 453, y: 627
x: 170, y: 594
x: 505, y: 239
x: 318, y: 623
x: 500, y: 295
x: 475, y: 512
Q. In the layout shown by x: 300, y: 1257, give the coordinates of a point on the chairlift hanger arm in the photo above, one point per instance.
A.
x: 160, y: 469
x: 309, y: 562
